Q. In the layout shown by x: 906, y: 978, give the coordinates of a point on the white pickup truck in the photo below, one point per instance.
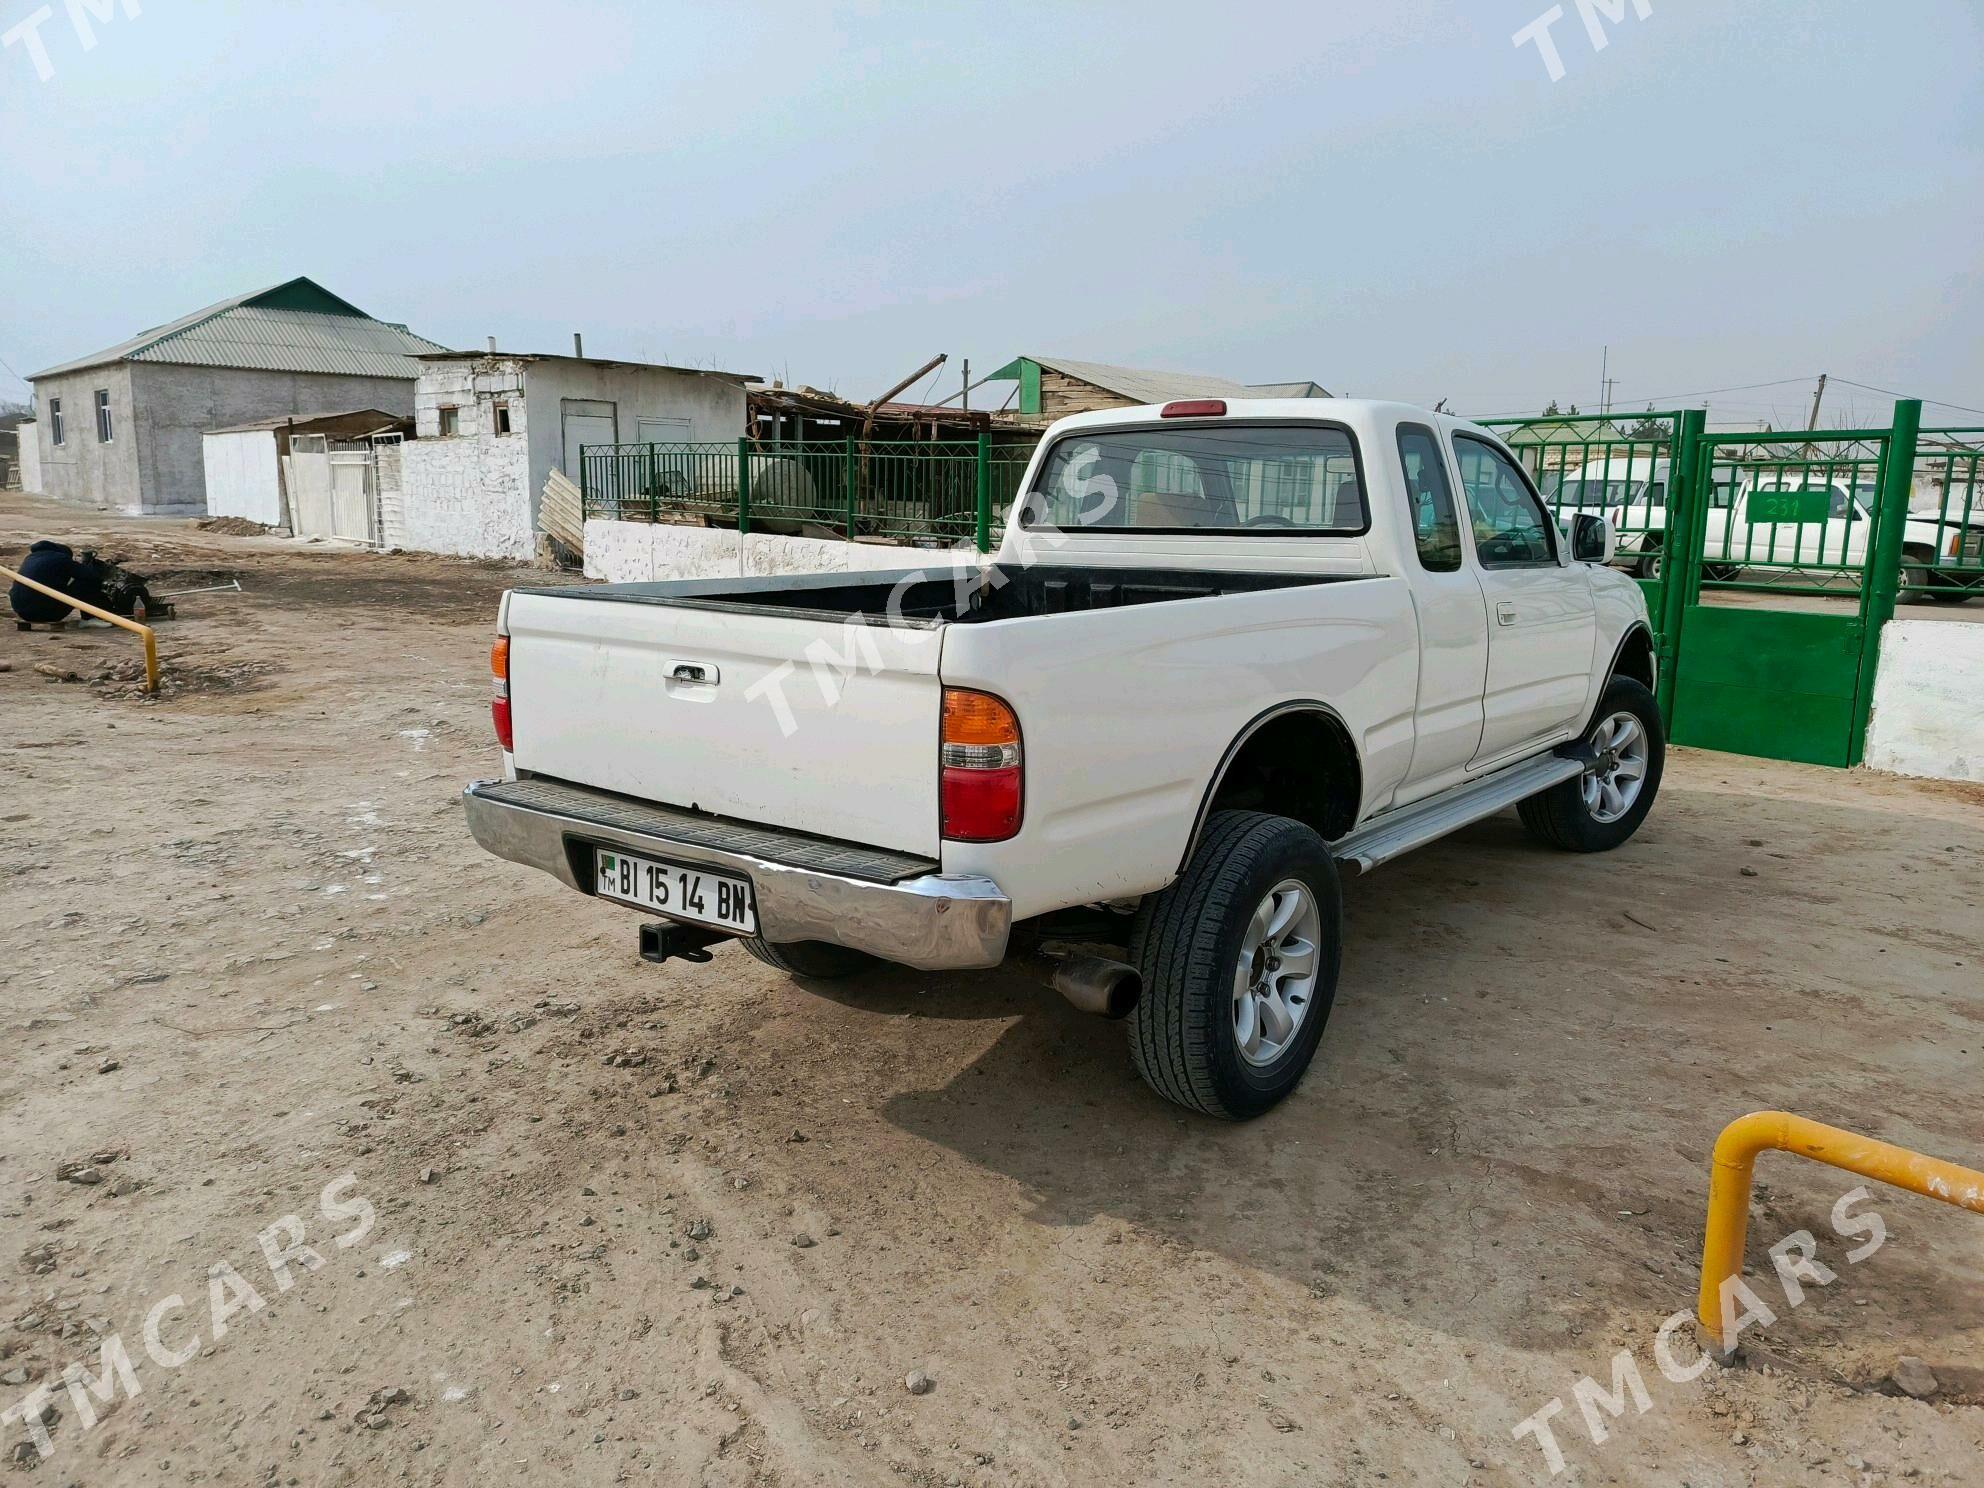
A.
x: 1223, y: 652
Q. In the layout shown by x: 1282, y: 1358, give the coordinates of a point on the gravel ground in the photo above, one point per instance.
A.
x: 543, y: 1213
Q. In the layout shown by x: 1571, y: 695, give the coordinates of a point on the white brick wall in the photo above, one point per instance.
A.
x: 639, y: 552
x: 468, y: 496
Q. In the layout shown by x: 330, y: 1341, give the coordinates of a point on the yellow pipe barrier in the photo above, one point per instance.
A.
x: 1762, y: 1131
x: 143, y: 631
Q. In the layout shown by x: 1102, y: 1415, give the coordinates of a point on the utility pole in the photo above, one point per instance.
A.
x: 1817, y: 398
x: 965, y: 391
x: 1604, y: 381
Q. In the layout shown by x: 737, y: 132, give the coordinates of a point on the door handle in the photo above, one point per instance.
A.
x: 1505, y: 613
x: 693, y: 673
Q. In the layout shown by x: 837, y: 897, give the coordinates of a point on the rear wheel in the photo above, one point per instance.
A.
x: 1239, y: 960
x: 816, y: 960
x: 1649, y: 565
x: 1598, y: 810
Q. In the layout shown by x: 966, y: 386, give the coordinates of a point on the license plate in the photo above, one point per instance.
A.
x: 719, y: 900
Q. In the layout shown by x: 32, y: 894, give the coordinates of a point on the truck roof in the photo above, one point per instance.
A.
x: 1303, y: 410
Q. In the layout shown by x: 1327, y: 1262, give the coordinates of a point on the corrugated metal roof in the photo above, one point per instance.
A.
x: 1303, y: 389
x: 1161, y: 387
x: 293, y: 341
x: 267, y: 330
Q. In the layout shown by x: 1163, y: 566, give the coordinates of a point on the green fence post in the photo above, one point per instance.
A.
x: 1880, y: 581
x: 744, y: 486
x: 847, y: 478
x: 985, y: 493
x: 1679, y: 550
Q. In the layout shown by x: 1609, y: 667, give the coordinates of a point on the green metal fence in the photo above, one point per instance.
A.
x: 1621, y: 468
x: 1942, y: 553
x: 1712, y: 523
x: 1793, y: 513
x: 939, y: 492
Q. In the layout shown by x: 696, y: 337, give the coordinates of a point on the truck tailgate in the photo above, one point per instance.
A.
x: 801, y: 722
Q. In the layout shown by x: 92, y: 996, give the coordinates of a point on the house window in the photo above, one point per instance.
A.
x: 451, y: 420
x: 55, y: 420
x: 502, y: 417
x: 103, y: 415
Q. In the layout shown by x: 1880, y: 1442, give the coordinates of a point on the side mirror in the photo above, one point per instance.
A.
x: 1592, y: 538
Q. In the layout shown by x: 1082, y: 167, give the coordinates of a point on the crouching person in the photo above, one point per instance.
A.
x: 54, y: 565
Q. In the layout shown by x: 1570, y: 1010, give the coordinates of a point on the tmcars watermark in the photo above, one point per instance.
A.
x: 84, y: 17
x: 229, y: 1294
x: 1795, y: 1261
x: 1594, y: 14
x: 1095, y: 497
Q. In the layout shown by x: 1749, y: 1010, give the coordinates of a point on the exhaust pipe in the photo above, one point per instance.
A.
x: 1107, y: 988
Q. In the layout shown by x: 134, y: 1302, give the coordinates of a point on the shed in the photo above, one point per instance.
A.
x: 492, y: 426
x: 243, y: 466
x: 1058, y: 386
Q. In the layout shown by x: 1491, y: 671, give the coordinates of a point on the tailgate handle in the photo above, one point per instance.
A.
x: 693, y: 671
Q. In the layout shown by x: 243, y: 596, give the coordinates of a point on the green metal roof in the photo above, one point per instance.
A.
x: 295, y: 327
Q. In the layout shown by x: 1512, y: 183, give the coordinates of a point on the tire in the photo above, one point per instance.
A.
x: 1915, y: 575
x: 1185, y: 1037
x: 816, y: 960
x: 1566, y: 816
x: 1650, y: 562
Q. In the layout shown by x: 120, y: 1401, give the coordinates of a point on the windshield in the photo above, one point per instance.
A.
x: 1263, y: 478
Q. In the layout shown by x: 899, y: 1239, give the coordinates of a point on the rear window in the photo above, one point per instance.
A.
x: 1259, y: 478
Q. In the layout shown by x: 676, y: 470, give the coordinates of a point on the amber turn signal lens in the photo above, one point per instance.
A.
x: 978, y: 718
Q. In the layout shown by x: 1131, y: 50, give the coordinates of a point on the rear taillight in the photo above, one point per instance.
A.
x: 499, y: 702
x: 981, y: 770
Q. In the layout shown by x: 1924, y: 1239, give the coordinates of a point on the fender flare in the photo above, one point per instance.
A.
x: 1638, y: 627
x: 1240, y: 741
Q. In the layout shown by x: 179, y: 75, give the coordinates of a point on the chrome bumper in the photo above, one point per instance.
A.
x: 933, y: 921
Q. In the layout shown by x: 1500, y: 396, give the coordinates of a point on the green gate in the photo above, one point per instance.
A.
x: 1782, y: 571
x: 1770, y: 562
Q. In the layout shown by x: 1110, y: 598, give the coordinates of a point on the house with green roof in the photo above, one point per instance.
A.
x: 121, y: 428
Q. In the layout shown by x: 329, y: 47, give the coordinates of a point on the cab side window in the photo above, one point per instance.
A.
x: 1511, y: 528
x: 1435, y: 522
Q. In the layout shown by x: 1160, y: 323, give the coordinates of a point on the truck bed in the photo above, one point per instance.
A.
x: 960, y: 596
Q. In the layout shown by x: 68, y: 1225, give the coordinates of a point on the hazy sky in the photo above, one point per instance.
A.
x: 1387, y: 196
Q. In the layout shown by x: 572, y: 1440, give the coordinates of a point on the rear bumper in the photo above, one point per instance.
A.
x: 888, y: 904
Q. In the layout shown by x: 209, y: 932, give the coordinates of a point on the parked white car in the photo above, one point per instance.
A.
x: 1776, y: 528
x: 1222, y: 653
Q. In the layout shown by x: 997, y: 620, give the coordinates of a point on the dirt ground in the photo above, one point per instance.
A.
x: 697, y: 1224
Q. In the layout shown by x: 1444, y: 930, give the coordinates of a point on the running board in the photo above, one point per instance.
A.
x: 1400, y: 831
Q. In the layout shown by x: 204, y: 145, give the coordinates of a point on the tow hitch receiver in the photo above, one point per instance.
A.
x: 662, y: 939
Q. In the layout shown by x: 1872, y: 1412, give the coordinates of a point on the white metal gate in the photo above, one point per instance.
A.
x: 333, y: 488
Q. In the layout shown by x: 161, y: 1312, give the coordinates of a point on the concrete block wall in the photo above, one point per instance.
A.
x: 83, y: 469
x: 641, y: 552
x: 468, y: 496
x: 175, y: 406
x: 391, y: 468
x: 1929, y: 700
x: 473, y: 389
